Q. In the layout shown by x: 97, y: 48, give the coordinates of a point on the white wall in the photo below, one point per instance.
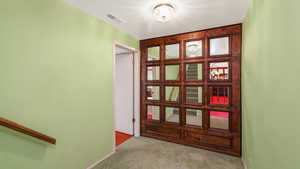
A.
x: 124, y: 93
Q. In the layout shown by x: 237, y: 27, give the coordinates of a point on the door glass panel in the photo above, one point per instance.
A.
x: 193, y: 49
x: 172, y: 72
x: 172, y: 93
x: 219, y: 120
x: 193, y: 94
x: 194, y: 117
x: 153, y: 93
x: 172, y: 51
x: 153, y: 73
x: 219, y: 46
x: 193, y: 71
x: 153, y: 112
x: 172, y: 114
x: 153, y: 53
x: 219, y: 71
x: 219, y: 95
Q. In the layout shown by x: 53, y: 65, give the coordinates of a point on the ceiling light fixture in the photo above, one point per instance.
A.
x: 163, y: 12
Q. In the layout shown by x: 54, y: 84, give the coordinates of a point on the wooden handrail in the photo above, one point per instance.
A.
x: 27, y: 131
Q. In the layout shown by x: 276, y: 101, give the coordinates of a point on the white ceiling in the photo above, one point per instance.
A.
x: 191, y: 15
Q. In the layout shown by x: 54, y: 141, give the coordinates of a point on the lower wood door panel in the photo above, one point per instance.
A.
x: 168, y: 132
x: 200, y: 139
x: 191, y: 89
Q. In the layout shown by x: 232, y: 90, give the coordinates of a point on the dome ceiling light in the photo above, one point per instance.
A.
x: 163, y: 12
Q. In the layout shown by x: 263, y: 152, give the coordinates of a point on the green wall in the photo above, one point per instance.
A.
x: 55, y: 77
x: 271, y: 90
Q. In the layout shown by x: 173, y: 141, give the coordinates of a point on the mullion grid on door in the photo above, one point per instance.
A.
x: 175, y: 82
x: 217, y: 83
x: 182, y: 61
x: 192, y: 83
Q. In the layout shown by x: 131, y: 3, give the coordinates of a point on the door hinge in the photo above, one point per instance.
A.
x: 133, y: 120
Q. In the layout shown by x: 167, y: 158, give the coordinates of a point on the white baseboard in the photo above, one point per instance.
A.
x: 244, y: 164
x: 99, y: 161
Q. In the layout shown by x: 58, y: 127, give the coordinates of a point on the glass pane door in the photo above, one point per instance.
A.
x: 190, y: 86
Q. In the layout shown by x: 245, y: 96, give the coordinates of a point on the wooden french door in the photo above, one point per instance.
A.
x: 191, y: 89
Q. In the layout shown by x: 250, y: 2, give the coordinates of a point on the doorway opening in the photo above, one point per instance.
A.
x: 125, y: 93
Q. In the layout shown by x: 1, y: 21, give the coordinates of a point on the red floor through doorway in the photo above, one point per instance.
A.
x: 121, y: 137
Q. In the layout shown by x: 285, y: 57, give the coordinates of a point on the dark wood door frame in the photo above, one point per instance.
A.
x: 204, y: 136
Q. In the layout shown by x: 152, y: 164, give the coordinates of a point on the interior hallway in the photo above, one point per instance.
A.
x: 57, y: 87
x: 147, y: 153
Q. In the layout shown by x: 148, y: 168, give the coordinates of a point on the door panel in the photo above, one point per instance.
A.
x: 195, y: 80
x: 197, y: 138
x: 124, y: 93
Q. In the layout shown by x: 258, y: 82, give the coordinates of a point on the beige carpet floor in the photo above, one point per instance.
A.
x: 147, y: 153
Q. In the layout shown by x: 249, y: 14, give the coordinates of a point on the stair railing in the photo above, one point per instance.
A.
x: 22, y: 129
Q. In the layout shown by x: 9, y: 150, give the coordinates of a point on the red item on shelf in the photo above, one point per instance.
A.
x: 149, y: 116
x: 219, y: 100
x: 219, y: 114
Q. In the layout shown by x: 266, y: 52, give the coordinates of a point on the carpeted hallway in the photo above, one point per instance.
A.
x: 147, y: 153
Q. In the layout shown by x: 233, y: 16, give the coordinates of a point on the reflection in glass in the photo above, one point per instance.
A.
x: 193, y: 94
x: 172, y: 114
x: 172, y: 93
x: 219, y: 95
x: 153, y: 93
x: 172, y: 72
x: 219, y: 71
x: 153, y: 73
x: 193, y: 71
x: 194, y: 49
x: 153, y: 112
x: 194, y: 117
x: 219, y: 120
x: 153, y: 53
x: 172, y: 51
x: 219, y: 46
